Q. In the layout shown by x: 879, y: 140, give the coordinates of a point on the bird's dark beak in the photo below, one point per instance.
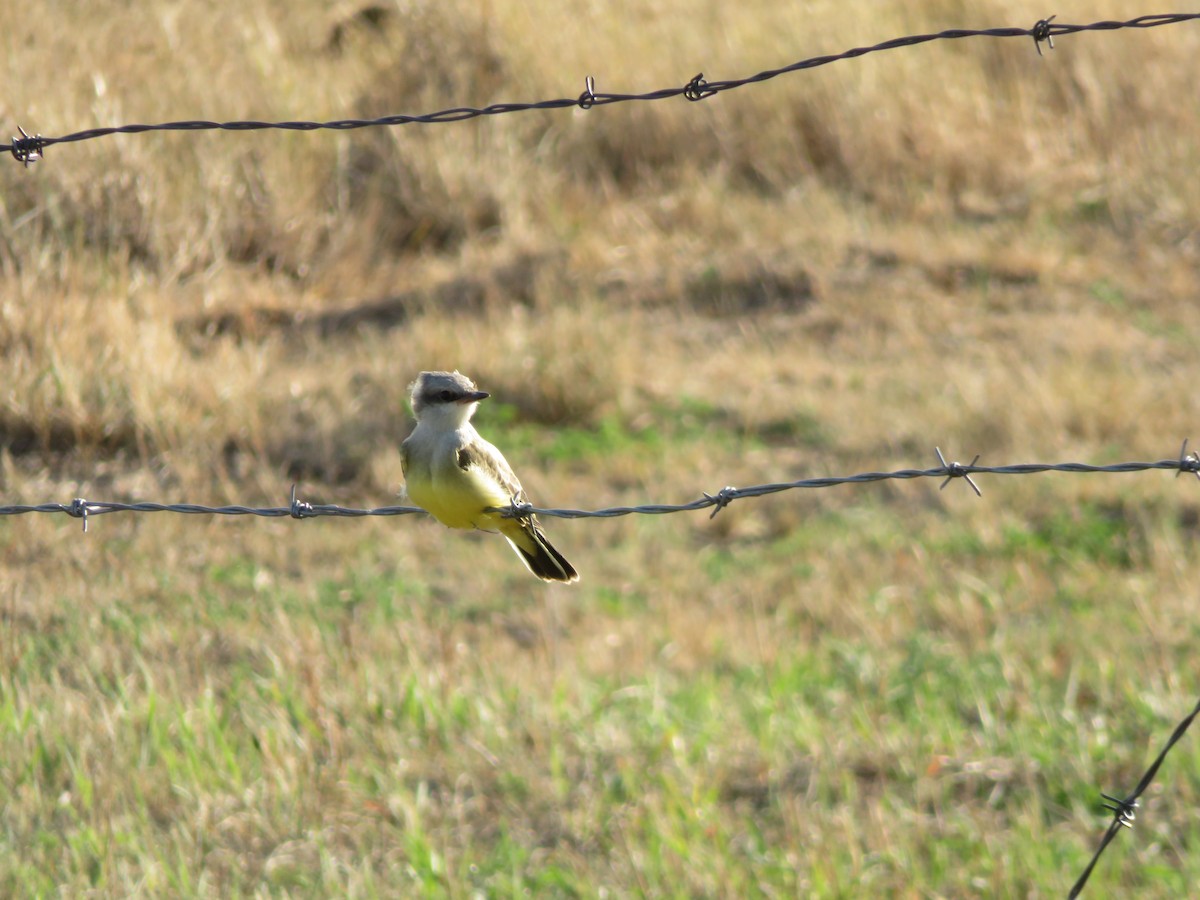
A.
x: 474, y: 396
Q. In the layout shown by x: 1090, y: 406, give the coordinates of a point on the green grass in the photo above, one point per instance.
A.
x: 363, y: 735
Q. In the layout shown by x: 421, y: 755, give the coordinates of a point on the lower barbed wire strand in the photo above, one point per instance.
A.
x: 299, y: 509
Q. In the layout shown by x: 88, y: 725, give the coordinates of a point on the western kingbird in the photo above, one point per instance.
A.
x: 456, y: 476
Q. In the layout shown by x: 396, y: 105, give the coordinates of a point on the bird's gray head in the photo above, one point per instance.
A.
x: 445, y: 390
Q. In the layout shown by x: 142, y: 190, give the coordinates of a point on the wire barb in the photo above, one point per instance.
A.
x: 1188, y: 462
x: 300, y: 509
x: 958, y: 470
x: 515, y: 510
x: 28, y: 148
x: 79, y: 510
x: 588, y: 98
x: 1041, y: 32
x: 696, y: 88
x: 1122, y: 809
x: 721, y: 499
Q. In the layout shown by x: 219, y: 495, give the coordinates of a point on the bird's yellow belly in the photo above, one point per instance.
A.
x: 457, y: 501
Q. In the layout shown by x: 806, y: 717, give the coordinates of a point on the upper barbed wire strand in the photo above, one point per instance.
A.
x: 29, y: 148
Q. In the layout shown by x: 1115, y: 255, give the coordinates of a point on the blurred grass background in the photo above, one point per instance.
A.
x: 884, y: 690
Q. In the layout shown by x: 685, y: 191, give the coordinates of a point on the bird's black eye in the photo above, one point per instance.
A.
x: 446, y: 396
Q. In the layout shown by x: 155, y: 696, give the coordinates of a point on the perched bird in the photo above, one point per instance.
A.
x: 456, y: 476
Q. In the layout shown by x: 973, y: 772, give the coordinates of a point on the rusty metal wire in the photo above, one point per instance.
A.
x: 80, y: 508
x: 1123, y: 809
x: 29, y: 148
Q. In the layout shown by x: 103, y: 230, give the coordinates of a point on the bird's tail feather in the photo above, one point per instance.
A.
x: 540, y: 557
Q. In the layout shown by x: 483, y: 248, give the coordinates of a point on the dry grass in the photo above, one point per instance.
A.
x: 885, y: 690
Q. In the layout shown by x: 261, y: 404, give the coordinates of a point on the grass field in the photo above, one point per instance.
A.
x: 879, y: 690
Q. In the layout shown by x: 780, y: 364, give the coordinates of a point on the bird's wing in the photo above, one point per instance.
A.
x: 403, y: 492
x: 480, y: 455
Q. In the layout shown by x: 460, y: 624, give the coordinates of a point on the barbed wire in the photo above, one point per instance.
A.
x: 1123, y: 810
x: 81, y: 508
x: 29, y: 148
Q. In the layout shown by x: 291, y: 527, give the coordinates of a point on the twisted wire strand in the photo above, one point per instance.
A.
x: 299, y: 509
x: 1123, y: 809
x: 29, y: 148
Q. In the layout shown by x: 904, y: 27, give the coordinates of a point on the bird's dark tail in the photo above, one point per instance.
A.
x: 540, y: 557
